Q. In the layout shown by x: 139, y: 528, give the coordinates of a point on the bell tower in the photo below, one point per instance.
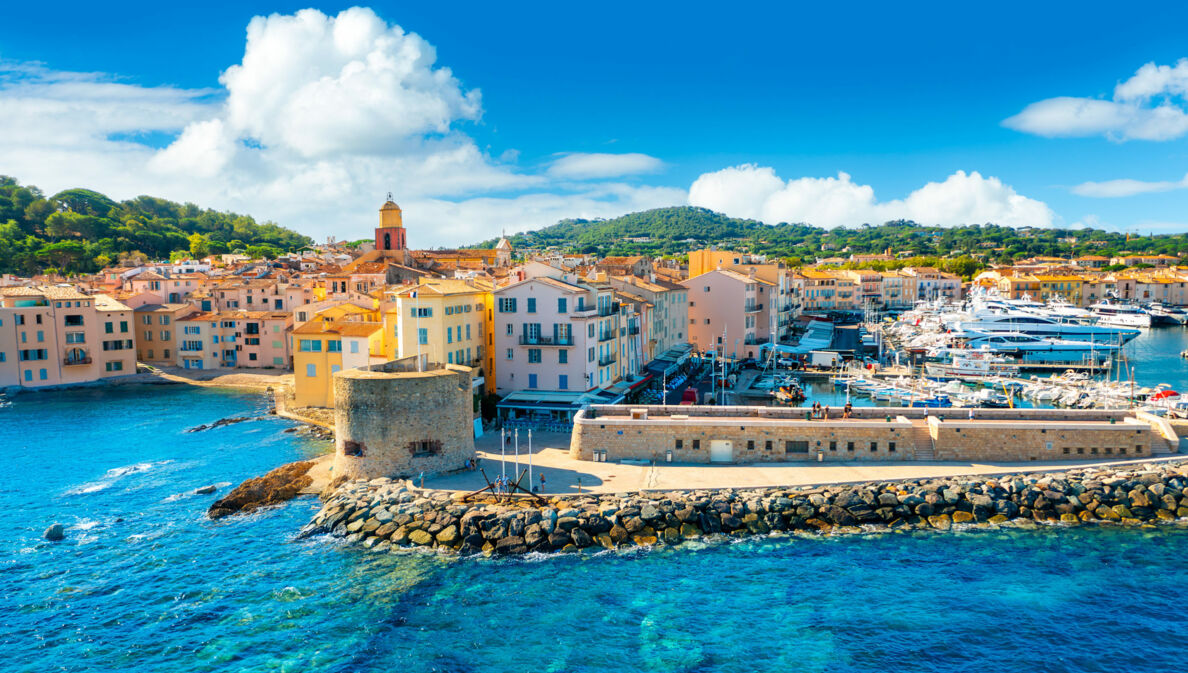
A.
x: 390, y: 233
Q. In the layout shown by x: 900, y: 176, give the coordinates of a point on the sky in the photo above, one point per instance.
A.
x: 481, y: 118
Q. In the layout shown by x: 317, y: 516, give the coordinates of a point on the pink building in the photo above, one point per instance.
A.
x: 234, y: 339
x: 729, y: 312
x: 52, y: 336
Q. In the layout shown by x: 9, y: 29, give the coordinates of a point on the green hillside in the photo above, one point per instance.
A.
x: 673, y: 231
x: 79, y: 230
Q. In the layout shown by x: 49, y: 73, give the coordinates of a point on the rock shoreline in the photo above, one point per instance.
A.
x: 391, y: 515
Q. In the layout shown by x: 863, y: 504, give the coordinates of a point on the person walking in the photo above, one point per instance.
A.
x: 542, y: 482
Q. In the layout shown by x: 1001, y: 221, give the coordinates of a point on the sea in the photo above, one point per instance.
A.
x: 145, y: 582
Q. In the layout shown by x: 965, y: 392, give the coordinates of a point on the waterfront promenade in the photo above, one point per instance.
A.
x: 562, y: 473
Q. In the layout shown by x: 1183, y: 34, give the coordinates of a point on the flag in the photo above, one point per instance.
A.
x: 413, y: 294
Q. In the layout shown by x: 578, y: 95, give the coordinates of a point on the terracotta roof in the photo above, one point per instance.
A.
x: 342, y: 327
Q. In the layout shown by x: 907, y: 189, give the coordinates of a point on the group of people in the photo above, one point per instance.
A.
x: 822, y: 412
x: 504, y: 485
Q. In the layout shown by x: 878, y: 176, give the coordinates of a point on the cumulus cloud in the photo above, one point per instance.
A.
x: 757, y: 192
x: 582, y: 166
x: 1127, y: 187
x: 1147, y: 106
x: 319, y: 120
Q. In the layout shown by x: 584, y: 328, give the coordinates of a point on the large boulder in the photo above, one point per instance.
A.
x: 279, y: 485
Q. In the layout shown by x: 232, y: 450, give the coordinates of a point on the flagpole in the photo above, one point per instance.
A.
x: 516, y: 472
x: 417, y: 296
x: 529, y: 459
x: 503, y: 452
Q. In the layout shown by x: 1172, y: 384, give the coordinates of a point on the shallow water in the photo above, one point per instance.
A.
x: 145, y: 582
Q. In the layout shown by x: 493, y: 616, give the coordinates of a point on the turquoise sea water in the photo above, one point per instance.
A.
x: 145, y: 582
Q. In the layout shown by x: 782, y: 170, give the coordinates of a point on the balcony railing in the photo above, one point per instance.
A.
x: 84, y: 360
x: 546, y: 340
x: 608, y: 360
x: 752, y: 308
x: 606, y: 335
x: 633, y: 330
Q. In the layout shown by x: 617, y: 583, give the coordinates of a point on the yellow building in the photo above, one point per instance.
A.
x: 447, y: 320
x: 340, y: 337
x: 1067, y: 287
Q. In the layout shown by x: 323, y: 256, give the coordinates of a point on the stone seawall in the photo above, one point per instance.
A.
x: 388, y: 515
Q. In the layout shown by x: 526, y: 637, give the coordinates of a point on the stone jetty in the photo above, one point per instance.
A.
x: 388, y: 515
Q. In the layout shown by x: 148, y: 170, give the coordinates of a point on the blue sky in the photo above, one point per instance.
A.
x: 754, y: 110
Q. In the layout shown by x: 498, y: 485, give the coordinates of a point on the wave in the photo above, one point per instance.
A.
x: 113, y: 475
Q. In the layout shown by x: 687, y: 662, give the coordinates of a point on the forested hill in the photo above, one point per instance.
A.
x: 79, y: 230
x: 673, y: 231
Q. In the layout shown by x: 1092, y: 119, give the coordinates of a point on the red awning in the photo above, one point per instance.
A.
x: 1163, y: 394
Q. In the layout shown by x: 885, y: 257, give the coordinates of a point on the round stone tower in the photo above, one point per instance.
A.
x: 399, y: 422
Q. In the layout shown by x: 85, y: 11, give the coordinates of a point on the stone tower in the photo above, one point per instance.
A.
x: 390, y: 234
x: 392, y: 420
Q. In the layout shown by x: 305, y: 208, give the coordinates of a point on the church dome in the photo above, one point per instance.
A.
x: 390, y: 205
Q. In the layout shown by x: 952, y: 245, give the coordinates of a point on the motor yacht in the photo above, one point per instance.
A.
x: 1120, y: 315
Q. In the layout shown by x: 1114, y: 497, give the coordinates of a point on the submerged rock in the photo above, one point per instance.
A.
x: 55, y: 533
x: 205, y: 490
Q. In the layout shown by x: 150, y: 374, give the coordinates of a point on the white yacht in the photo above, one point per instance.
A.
x: 1164, y: 314
x: 1035, y: 349
x: 1043, y: 327
x: 1120, y: 315
x: 1060, y: 309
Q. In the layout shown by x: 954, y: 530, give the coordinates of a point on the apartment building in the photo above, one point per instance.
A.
x: 51, y: 336
x: 729, y: 313
x: 447, y: 320
x: 932, y: 283
x: 1059, y: 286
x: 668, y: 323
x: 156, y: 332
x: 234, y: 339
x: 325, y: 345
x: 897, y: 290
x: 555, y: 335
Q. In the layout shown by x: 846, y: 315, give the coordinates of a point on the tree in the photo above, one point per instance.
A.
x: 199, y: 245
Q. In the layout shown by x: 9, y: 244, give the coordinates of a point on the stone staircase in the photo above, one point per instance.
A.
x: 922, y: 438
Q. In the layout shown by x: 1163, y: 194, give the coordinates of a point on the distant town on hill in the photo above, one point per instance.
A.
x: 81, y: 231
x: 674, y: 231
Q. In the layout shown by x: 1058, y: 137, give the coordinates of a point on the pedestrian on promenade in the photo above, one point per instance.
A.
x: 825, y: 413
x: 542, y: 482
x: 971, y: 414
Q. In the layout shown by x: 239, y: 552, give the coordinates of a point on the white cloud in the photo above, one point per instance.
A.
x: 1148, y: 106
x: 757, y: 192
x: 321, y: 118
x: 1127, y: 187
x: 582, y: 166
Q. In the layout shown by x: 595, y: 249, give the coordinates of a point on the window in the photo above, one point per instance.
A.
x: 850, y: 447
x: 890, y: 447
x: 590, y: 330
x: 510, y: 329
x: 334, y: 346
x: 311, y: 370
x: 335, y: 368
x: 164, y: 320
x: 533, y: 355
x: 510, y: 353
x: 874, y: 446
x: 165, y: 335
x: 108, y: 328
x: 40, y: 336
x: 680, y: 443
x: 423, y: 336
x: 422, y: 311
x: 750, y: 445
x: 696, y: 444
x: 278, y: 361
x: 450, y: 357
x: 76, y: 337
x: 562, y: 357
x: 28, y: 374
x: 304, y: 345
x: 563, y: 382
x: 562, y: 305
x: 42, y: 374
x: 449, y: 335
x: 833, y: 445
x: 467, y: 331
x: 124, y: 327
x: 767, y: 445
x: 507, y: 304
x: 796, y: 446
x: 532, y: 380
x: 591, y: 354
x: 147, y: 319
x: 354, y: 347
x: 532, y: 304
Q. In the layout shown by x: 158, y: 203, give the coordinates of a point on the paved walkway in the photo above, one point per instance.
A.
x: 550, y: 455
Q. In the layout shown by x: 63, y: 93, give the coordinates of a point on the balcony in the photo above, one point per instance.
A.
x: 605, y: 335
x: 546, y: 340
x: 76, y: 360
x: 753, y: 308
x: 608, y: 360
x: 633, y: 330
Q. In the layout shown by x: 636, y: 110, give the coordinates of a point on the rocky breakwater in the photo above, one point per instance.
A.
x: 384, y: 514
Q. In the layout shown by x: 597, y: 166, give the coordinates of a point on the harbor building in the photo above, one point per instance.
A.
x: 449, y: 321
x: 730, y: 312
x: 336, y: 339
x: 736, y: 434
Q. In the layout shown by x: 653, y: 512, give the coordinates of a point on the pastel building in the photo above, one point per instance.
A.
x: 555, y: 335
x: 52, y: 336
x: 156, y: 332
x: 728, y: 313
x: 324, y: 346
x: 234, y: 339
x: 668, y: 324
x: 446, y: 320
